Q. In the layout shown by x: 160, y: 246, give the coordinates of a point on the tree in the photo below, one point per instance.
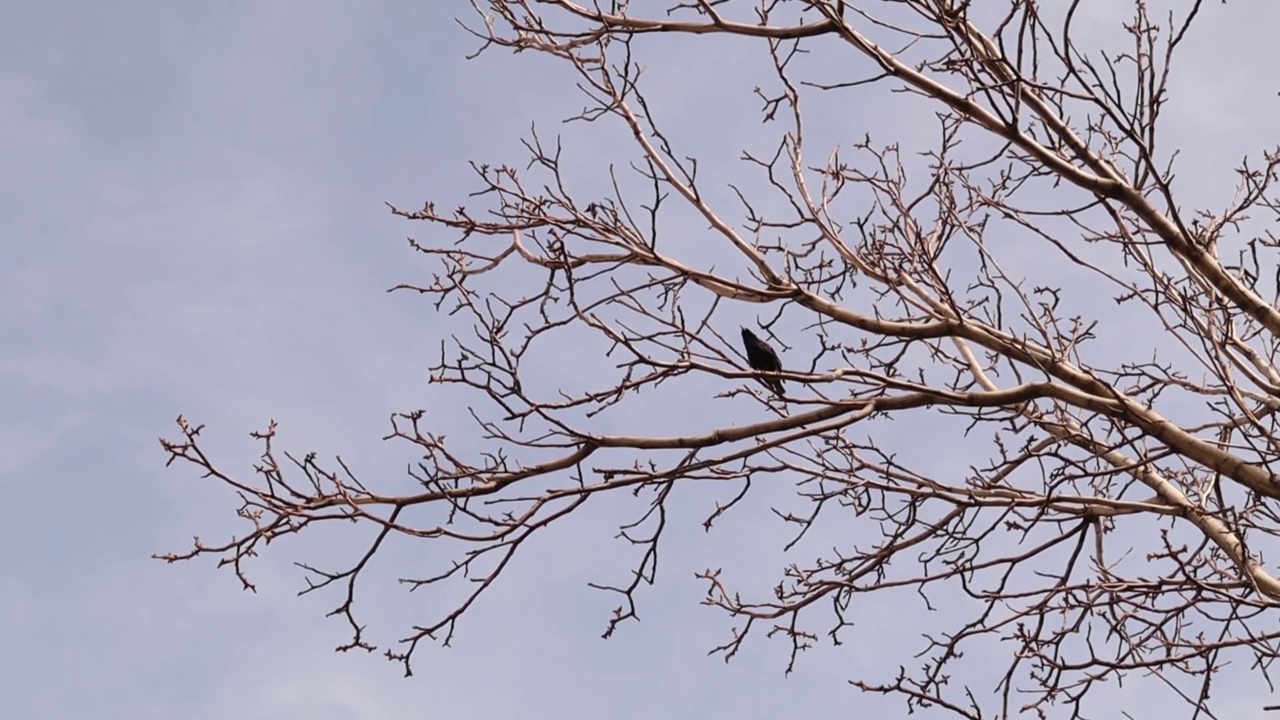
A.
x: 1029, y: 285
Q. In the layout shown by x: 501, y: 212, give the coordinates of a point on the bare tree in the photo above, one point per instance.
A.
x: 1030, y: 285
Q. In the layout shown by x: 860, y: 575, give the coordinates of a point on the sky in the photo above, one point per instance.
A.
x: 192, y: 222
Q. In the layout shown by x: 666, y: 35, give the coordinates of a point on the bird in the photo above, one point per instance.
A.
x: 762, y: 357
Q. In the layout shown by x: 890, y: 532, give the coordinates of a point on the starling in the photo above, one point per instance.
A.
x: 762, y: 357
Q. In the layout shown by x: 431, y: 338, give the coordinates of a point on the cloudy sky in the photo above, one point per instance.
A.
x: 192, y: 222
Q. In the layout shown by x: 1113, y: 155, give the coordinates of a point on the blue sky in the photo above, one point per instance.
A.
x: 192, y: 222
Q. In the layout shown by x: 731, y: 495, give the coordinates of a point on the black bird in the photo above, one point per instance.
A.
x: 762, y: 357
